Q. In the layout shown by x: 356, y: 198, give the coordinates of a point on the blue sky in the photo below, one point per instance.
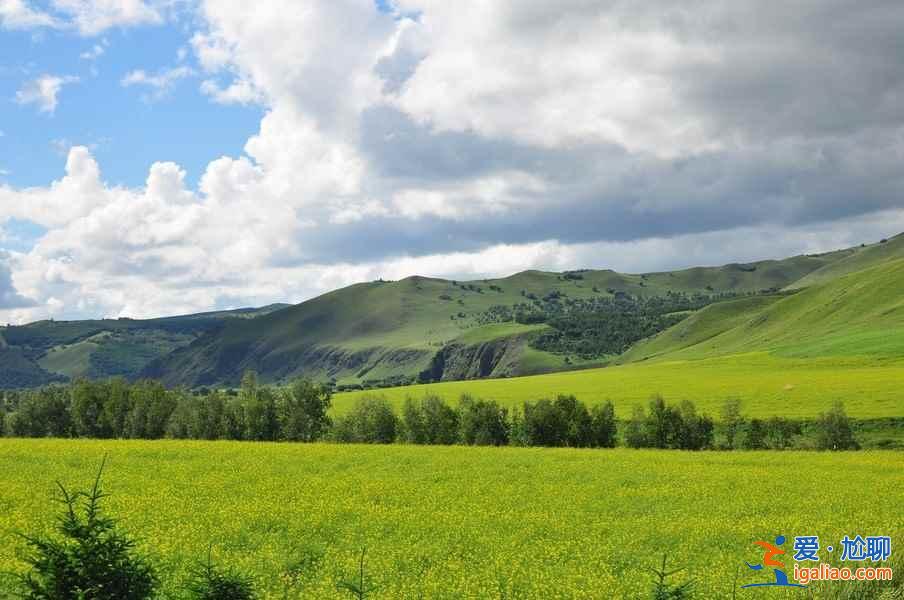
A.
x: 126, y: 130
x: 170, y: 156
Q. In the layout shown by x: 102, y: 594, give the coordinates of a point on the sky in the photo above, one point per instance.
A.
x: 169, y: 156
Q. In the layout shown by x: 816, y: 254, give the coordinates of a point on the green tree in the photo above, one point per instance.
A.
x: 662, y: 424
x: 732, y: 422
x: 182, y: 418
x: 117, y: 407
x: 754, y: 437
x: 413, y: 428
x: 89, y: 558
x: 482, y: 422
x: 41, y: 413
x: 303, y: 411
x: 234, y: 419
x: 371, y: 421
x: 152, y: 406
x: 603, y: 426
x: 89, y: 401
x: 544, y: 424
x: 834, y: 430
x: 210, y: 582
x: 578, y: 423
x: 209, y: 417
x: 635, y: 431
x: 440, y: 421
x: 695, y: 432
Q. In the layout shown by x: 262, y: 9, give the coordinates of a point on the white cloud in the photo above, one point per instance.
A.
x: 239, y: 91
x: 96, y: 51
x: 92, y: 17
x: 161, y: 82
x: 480, y: 139
x: 18, y: 14
x: 88, y: 17
x: 43, y: 92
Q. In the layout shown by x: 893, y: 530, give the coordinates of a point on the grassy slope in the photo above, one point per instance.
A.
x: 790, y: 355
x: 420, y: 315
x: 455, y: 522
x: 857, y: 259
x: 103, y: 347
x: 767, y: 385
x: 858, y: 314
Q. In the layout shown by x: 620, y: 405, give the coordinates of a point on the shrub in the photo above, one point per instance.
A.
x: 482, y: 422
x: 664, y: 590
x: 780, y: 433
x: 732, y: 422
x: 662, y: 424
x: 754, y: 437
x: 371, y: 421
x: 212, y: 583
x: 90, y: 557
x: 603, y: 425
x: 635, y: 435
x: 303, y: 412
x: 544, y: 424
x: 695, y: 432
x: 565, y: 422
x: 429, y: 421
x: 834, y: 430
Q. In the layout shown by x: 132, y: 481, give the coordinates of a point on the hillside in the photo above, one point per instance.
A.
x: 384, y: 333
x: 390, y: 332
x: 855, y: 259
x: 857, y: 314
x: 47, y: 351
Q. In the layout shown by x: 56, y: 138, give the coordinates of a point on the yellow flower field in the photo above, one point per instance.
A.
x: 455, y: 522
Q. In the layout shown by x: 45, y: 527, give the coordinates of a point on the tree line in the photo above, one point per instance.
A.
x: 300, y: 412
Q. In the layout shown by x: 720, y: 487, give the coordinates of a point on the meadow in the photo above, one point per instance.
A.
x: 767, y: 385
x: 454, y: 522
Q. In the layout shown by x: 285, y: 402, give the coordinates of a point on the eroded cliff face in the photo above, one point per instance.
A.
x: 497, y: 358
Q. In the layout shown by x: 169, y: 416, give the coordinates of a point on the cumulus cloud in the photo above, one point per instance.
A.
x: 476, y: 139
x: 43, y: 92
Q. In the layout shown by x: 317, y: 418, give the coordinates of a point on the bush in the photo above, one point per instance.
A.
x: 695, y: 432
x: 834, y: 430
x: 429, y: 421
x: 90, y: 557
x: 603, y: 425
x: 303, y: 413
x: 732, y: 422
x: 371, y: 421
x: 212, y: 583
x: 754, y: 435
x: 635, y: 436
x: 565, y: 422
x: 669, y: 427
x: 482, y: 422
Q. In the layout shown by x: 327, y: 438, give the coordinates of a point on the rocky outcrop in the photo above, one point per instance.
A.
x: 496, y: 358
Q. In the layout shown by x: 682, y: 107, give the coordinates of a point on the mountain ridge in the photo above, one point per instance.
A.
x: 393, y: 332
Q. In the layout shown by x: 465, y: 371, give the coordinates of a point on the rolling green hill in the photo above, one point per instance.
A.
x: 396, y: 332
x: 47, y: 351
x: 390, y: 331
x: 857, y: 314
x: 855, y: 259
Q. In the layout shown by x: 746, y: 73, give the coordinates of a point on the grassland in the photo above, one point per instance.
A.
x: 455, y: 522
x: 767, y: 385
